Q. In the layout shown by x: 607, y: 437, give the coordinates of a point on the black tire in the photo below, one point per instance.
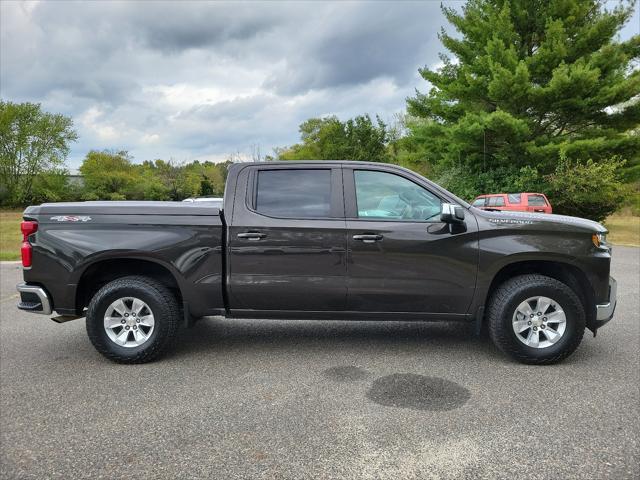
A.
x: 161, y: 301
x: 506, y: 299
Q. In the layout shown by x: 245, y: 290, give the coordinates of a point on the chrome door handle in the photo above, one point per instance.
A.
x: 253, y: 236
x: 368, y: 238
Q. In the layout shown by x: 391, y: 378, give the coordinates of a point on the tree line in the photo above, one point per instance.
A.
x: 34, y: 145
x: 532, y: 96
x: 113, y: 176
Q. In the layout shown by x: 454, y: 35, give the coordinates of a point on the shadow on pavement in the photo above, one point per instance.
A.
x: 215, y: 334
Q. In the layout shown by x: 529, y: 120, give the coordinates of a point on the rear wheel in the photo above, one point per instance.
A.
x: 536, y: 319
x: 133, y: 319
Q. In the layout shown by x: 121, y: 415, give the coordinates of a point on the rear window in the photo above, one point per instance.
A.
x: 478, y: 202
x: 496, y: 201
x: 537, y: 201
x: 514, y: 197
x: 302, y: 193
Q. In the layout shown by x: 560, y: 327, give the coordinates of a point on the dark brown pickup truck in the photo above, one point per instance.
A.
x: 321, y: 240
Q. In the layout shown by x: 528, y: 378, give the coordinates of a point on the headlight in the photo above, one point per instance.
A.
x: 599, y: 240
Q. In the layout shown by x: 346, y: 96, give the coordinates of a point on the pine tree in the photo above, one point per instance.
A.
x: 529, y: 81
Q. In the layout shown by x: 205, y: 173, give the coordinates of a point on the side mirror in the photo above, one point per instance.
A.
x: 451, y: 213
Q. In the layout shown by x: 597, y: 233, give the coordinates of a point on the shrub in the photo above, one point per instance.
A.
x: 591, y: 190
x: 116, y: 196
x: 502, y: 179
x: 89, y: 196
x: 583, y: 189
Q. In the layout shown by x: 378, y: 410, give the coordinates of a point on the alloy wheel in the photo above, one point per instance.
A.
x: 129, y: 322
x: 539, y: 322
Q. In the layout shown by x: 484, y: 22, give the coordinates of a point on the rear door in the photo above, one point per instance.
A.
x: 516, y: 202
x: 537, y: 203
x: 496, y: 202
x: 287, y: 243
x: 401, y: 257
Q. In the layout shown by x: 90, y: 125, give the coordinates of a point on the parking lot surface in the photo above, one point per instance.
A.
x: 319, y: 399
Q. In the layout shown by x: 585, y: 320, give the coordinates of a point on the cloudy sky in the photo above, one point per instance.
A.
x: 205, y: 80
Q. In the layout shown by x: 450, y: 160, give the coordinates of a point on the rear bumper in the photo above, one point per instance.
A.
x: 34, y: 299
x: 604, y: 311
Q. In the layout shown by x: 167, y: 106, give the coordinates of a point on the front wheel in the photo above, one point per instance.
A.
x: 536, y: 319
x: 132, y: 319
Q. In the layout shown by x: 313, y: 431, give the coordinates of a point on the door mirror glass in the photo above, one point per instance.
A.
x: 451, y: 213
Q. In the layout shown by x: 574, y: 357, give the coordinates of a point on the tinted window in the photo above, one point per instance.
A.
x: 496, y: 201
x: 388, y: 196
x: 514, y: 197
x: 294, y: 193
x: 479, y: 202
x: 537, y: 201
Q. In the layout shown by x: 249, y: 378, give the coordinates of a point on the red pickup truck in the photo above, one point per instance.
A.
x: 515, y: 202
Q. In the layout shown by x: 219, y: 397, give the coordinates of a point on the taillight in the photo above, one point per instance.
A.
x: 26, y: 254
x: 28, y: 228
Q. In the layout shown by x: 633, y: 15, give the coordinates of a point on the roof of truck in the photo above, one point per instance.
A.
x: 236, y: 167
x: 318, y: 162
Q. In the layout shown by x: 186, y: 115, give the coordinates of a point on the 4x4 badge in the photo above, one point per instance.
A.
x: 71, y: 218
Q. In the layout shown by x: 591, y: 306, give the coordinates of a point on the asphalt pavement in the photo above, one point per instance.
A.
x: 319, y: 399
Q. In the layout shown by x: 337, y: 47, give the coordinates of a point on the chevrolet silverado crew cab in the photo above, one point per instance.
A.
x: 316, y: 240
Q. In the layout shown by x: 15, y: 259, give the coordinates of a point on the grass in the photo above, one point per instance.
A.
x: 624, y: 229
x: 10, y: 236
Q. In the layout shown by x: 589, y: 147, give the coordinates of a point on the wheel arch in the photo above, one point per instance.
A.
x: 102, y: 271
x: 565, y: 272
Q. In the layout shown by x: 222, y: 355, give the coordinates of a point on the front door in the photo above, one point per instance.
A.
x: 401, y: 257
x: 287, y: 242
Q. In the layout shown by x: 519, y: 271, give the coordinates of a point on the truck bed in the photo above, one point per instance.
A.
x: 77, y: 240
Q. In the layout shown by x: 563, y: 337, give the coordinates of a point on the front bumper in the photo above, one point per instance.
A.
x: 34, y: 299
x: 604, y: 311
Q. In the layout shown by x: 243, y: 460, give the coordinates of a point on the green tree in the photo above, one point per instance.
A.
x: 53, y: 186
x: 32, y: 142
x: 407, y: 150
x: 366, y: 141
x: 108, y: 175
x: 321, y: 139
x: 179, y: 181
x: 530, y: 81
x: 330, y: 139
x: 149, y: 185
x: 212, y: 176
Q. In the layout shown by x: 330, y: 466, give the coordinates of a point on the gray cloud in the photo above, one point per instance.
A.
x: 200, y: 26
x: 205, y: 79
x: 360, y: 42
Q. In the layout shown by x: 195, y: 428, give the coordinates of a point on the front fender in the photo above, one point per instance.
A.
x: 502, y: 245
